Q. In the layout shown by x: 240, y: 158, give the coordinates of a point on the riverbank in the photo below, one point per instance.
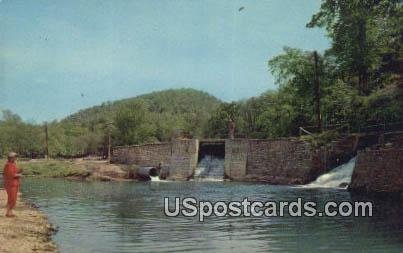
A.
x: 29, y: 231
x: 77, y: 169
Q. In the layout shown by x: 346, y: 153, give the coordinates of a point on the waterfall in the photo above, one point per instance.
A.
x: 210, y: 168
x: 338, y: 177
x: 155, y: 178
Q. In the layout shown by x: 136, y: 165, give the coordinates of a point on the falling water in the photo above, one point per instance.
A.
x: 338, y: 177
x: 210, y: 168
x: 155, y: 179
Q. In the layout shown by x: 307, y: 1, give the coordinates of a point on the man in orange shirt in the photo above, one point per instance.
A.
x: 11, y: 183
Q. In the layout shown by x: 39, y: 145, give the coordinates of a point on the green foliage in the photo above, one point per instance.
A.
x: 362, y: 31
x: 321, y: 139
x: 18, y: 136
x: 161, y: 115
x: 52, y: 168
x: 219, y: 120
x: 154, y: 117
x: 357, y: 76
x: 358, y: 79
x: 134, y: 125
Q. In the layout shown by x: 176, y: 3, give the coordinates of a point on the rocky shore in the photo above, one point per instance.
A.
x: 29, y: 231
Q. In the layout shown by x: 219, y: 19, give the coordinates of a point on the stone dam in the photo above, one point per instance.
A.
x: 274, y: 161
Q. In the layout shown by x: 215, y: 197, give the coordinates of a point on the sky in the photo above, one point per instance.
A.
x: 57, y: 57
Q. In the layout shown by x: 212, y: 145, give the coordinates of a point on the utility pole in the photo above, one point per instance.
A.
x: 109, y: 129
x: 109, y: 147
x: 46, y: 141
x: 317, y: 92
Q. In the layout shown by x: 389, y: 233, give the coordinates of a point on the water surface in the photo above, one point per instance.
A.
x: 128, y: 217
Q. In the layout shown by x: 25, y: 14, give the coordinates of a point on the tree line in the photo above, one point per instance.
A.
x: 354, y: 83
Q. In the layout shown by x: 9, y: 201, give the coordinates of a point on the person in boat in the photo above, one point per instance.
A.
x: 11, y: 178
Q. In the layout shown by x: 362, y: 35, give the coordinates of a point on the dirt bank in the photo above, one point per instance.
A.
x: 30, y: 231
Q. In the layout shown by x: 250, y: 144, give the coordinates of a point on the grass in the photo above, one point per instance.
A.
x: 52, y: 168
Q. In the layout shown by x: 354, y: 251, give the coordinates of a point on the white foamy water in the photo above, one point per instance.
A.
x: 155, y: 179
x: 336, y: 177
x: 210, y: 168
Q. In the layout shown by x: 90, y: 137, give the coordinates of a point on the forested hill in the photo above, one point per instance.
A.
x: 173, y: 102
x: 153, y: 117
x: 355, y: 85
x: 156, y: 116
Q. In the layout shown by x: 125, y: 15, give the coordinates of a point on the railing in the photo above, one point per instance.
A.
x: 342, y: 128
x: 362, y: 128
x: 384, y: 127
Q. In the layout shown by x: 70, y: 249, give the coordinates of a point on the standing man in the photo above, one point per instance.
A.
x: 11, y: 183
x: 231, y: 129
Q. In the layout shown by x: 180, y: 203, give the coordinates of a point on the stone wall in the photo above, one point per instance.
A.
x: 278, y: 161
x: 184, y: 159
x: 236, y: 151
x: 178, y: 157
x: 378, y: 171
x: 143, y: 155
x: 338, y: 152
x: 281, y: 161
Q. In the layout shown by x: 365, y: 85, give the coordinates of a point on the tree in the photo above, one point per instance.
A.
x: 133, y: 125
x: 298, y: 73
x: 362, y: 31
x: 218, y: 122
x: 24, y: 138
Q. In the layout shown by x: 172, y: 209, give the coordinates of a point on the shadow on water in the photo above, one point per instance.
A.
x: 387, y: 219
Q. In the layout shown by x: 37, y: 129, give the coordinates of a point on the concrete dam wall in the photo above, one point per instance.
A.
x: 283, y: 161
x: 276, y: 161
x: 179, y: 156
x: 143, y: 155
x: 378, y: 171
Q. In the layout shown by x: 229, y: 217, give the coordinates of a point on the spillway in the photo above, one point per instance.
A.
x: 210, y: 168
x: 336, y: 178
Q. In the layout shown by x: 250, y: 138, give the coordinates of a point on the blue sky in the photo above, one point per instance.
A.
x: 57, y: 57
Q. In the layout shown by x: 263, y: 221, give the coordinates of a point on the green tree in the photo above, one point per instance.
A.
x: 26, y: 139
x: 362, y: 32
x: 218, y: 122
x: 133, y: 125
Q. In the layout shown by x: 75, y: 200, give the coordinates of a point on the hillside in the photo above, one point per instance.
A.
x: 173, y: 101
x: 153, y: 117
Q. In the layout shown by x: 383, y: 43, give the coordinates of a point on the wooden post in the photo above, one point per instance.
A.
x: 109, y: 127
x: 46, y: 141
x: 317, y: 92
x: 109, y: 146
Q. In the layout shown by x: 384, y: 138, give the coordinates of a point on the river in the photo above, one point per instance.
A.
x: 128, y: 217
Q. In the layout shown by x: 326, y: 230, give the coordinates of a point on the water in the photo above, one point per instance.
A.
x: 340, y: 175
x: 128, y: 217
x: 155, y: 179
x: 210, y: 168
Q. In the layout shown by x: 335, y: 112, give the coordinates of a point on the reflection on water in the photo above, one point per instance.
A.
x: 128, y: 217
